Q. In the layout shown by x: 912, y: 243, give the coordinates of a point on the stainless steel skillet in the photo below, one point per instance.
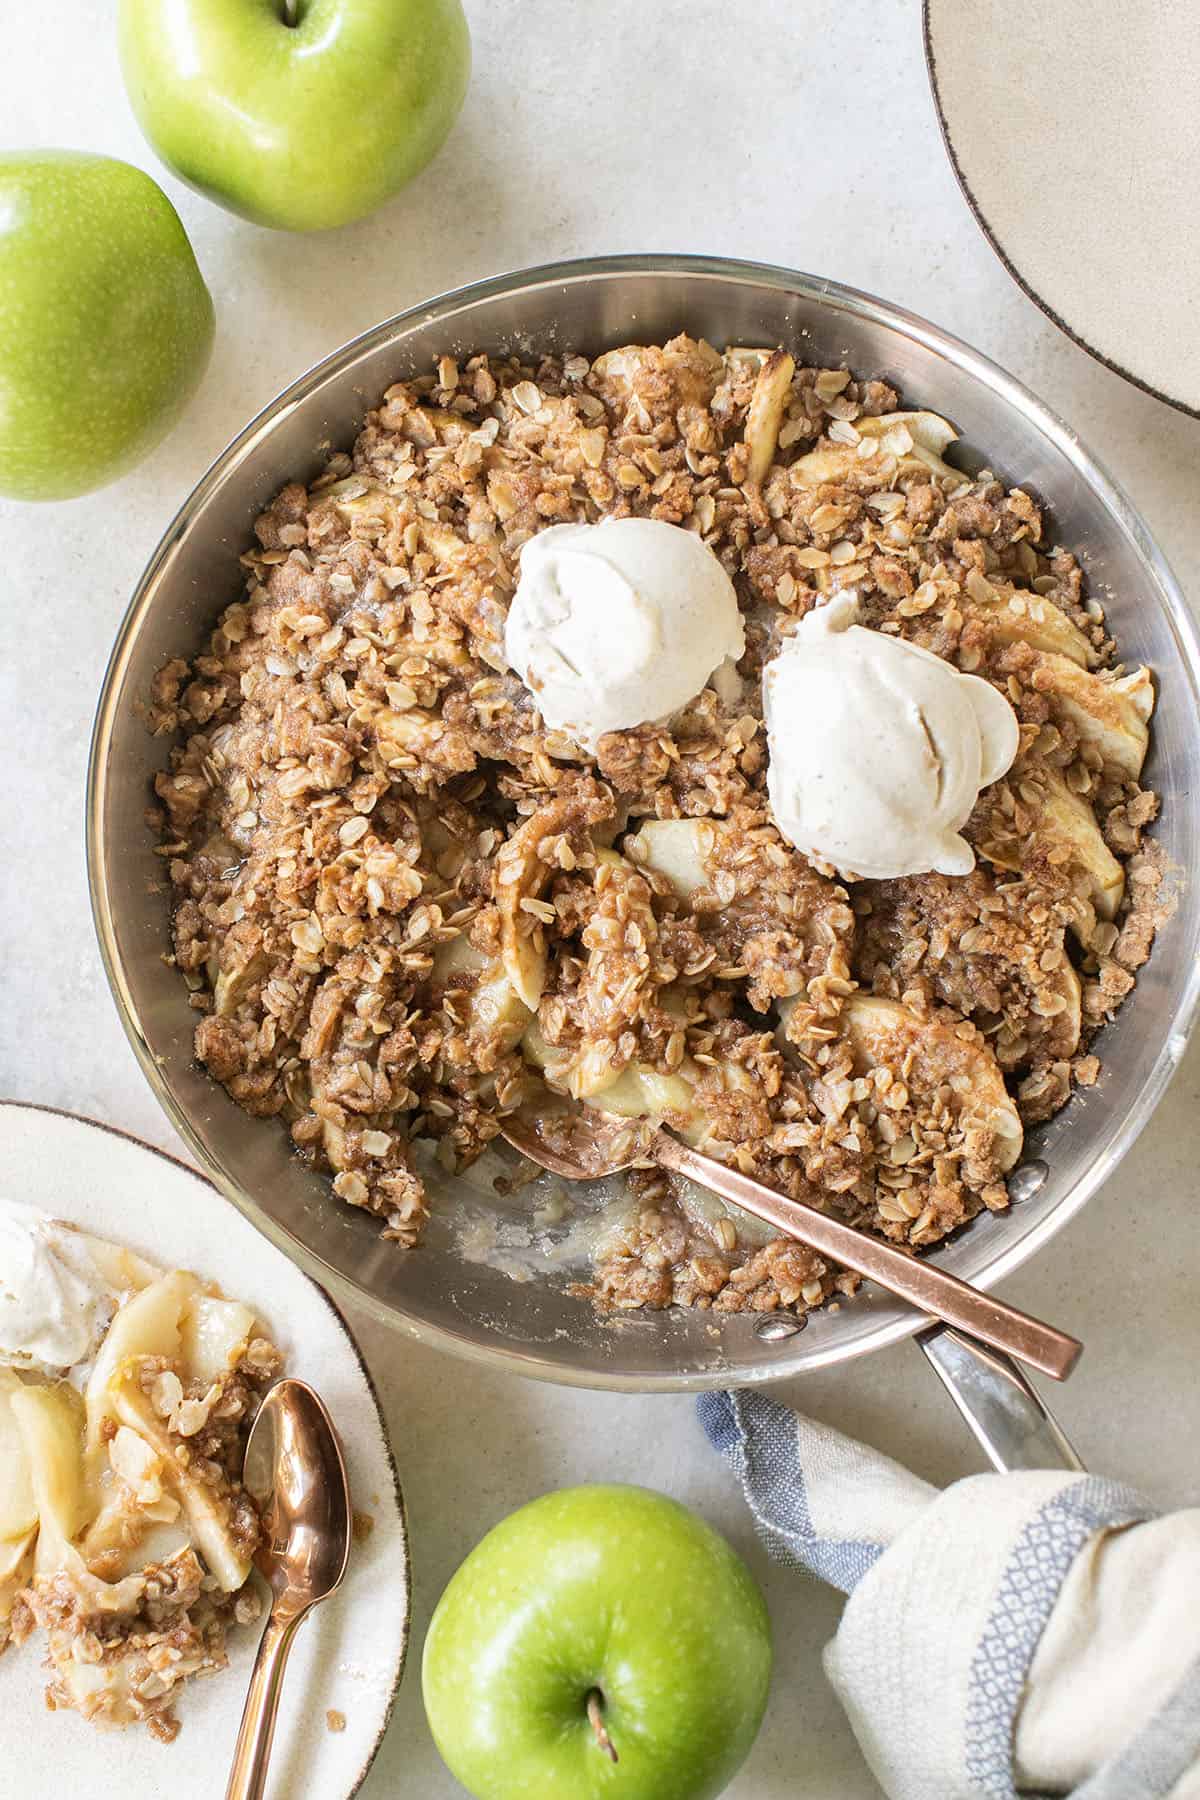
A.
x: 538, y: 1328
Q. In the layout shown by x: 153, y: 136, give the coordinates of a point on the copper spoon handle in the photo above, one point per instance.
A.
x: 248, y: 1777
x: 926, y: 1287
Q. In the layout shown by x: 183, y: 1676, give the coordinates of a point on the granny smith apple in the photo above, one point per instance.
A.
x: 602, y: 1643
x: 300, y: 114
x: 105, y: 322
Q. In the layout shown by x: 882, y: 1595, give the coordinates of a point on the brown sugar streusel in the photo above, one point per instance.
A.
x: 401, y: 903
x: 123, y: 1641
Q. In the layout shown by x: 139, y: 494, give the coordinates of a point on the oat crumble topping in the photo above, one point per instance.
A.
x: 125, y: 1626
x: 400, y: 902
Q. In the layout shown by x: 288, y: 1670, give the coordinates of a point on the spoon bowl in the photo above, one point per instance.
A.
x: 295, y: 1474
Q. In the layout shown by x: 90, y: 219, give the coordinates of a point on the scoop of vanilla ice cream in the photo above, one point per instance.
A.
x: 55, y: 1301
x: 619, y: 624
x: 878, y: 749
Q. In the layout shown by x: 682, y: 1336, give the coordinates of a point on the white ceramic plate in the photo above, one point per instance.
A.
x: 349, y: 1655
x: 1074, y: 129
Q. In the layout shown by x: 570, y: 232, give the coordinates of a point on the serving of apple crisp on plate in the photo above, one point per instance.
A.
x: 127, y: 1389
x: 679, y: 734
x: 127, y: 1393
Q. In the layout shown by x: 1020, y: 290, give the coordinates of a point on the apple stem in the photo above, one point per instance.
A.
x: 595, y: 1713
x: 291, y: 10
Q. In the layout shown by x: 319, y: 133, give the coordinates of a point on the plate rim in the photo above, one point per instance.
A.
x: 131, y: 1137
x: 981, y: 219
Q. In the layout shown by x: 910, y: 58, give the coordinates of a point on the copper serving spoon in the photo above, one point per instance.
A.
x: 930, y: 1289
x: 295, y: 1472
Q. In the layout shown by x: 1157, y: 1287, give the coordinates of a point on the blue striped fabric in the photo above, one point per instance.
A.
x: 759, y: 1440
x: 789, y: 1467
x: 1025, y: 1598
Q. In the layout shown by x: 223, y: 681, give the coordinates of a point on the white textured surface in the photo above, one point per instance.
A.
x: 803, y: 136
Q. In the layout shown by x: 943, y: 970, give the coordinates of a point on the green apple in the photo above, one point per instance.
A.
x: 602, y: 1643
x: 105, y: 322
x: 300, y: 114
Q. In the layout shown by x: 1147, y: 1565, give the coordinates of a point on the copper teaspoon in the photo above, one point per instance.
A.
x: 295, y: 1473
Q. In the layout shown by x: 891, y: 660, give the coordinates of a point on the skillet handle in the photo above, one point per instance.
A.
x: 1007, y: 1416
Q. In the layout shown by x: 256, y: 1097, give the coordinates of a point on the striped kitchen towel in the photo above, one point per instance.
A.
x: 1031, y: 1634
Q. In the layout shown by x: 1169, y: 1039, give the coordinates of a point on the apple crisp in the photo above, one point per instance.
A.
x: 403, y: 907
x: 127, y: 1536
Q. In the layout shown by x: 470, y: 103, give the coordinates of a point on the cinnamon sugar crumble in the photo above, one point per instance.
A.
x: 124, y: 1632
x: 395, y: 891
